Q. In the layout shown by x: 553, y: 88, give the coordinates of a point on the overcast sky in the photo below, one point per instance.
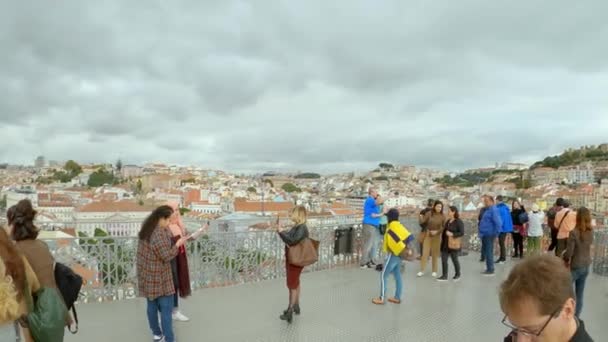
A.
x: 302, y: 85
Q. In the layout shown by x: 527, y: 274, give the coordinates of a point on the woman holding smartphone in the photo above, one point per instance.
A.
x: 179, y: 264
x: 155, y: 251
x: 292, y: 237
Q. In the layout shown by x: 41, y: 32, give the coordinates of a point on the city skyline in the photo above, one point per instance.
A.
x: 42, y: 161
x: 297, y: 86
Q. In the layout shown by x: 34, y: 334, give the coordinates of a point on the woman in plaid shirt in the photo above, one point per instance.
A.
x: 154, y: 277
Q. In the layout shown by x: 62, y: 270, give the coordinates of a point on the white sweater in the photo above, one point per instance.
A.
x: 535, y: 223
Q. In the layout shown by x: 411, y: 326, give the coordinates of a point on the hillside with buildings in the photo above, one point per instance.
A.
x: 116, y: 197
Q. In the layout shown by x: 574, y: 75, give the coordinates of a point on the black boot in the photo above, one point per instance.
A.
x: 296, y: 309
x: 287, y: 315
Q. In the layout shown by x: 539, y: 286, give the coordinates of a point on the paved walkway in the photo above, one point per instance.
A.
x: 336, y: 307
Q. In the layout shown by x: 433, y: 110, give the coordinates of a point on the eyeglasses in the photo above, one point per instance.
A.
x: 528, y: 332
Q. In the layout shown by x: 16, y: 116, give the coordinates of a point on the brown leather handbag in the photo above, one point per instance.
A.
x: 304, y: 253
x: 454, y: 243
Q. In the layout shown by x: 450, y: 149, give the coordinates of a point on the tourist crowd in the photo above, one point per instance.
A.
x: 543, y: 285
x: 542, y: 298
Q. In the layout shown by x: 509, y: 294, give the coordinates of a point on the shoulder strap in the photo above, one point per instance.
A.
x: 563, y: 218
x: 75, y: 320
x: 27, y: 293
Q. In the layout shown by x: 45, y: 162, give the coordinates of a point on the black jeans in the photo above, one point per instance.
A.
x: 553, y: 244
x: 518, y: 244
x: 444, y: 262
x: 501, y: 243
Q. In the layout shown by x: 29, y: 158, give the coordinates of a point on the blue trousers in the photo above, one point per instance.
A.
x: 391, y: 266
x: 579, y: 277
x: 487, y: 251
x: 164, y: 305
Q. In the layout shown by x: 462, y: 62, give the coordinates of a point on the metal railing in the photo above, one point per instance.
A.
x: 216, y: 259
x: 230, y: 258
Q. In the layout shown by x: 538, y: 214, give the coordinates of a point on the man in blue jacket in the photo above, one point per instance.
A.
x: 507, y: 227
x: 371, y: 228
x: 490, y: 226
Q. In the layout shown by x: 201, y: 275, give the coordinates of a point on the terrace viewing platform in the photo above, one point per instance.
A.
x: 239, y: 292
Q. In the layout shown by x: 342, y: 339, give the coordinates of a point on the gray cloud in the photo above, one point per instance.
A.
x: 302, y: 85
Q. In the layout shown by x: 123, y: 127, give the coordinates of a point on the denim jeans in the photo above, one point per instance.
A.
x: 371, y: 238
x: 391, y: 266
x: 164, y: 305
x: 482, y: 256
x: 579, y: 278
x: 488, y: 251
x: 503, y: 249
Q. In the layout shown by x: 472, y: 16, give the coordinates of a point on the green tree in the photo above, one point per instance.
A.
x: 289, y: 187
x: 386, y: 166
x: 119, y: 165
x: 101, y: 177
x: 184, y: 211
x: 72, y: 168
x: 269, y: 182
x: 139, y: 187
x: 62, y: 176
x: 3, y: 202
x: 308, y: 175
x: 251, y: 189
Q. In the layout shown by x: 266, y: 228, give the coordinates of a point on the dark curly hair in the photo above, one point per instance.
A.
x: 151, y: 222
x: 21, y: 218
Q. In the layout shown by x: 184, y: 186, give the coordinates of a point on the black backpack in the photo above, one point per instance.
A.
x: 69, y: 284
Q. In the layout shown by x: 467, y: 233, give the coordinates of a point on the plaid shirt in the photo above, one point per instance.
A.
x: 154, y: 275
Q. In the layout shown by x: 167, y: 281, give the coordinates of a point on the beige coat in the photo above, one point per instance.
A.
x: 10, y: 308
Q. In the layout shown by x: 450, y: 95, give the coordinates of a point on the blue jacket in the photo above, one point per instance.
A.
x: 490, y: 224
x: 370, y: 207
x: 505, y: 216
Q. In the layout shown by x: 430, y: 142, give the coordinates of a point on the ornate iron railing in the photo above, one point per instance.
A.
x: 229, y: 258
x: 216, y: 259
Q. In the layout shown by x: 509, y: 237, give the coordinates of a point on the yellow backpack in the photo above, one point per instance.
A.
x: 397, y: 239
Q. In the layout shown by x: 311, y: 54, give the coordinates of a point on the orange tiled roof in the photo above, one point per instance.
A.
x: 54, y: 204
x: 201, y: 202
x: 245, y: 206
x: 110, y: 206
x: 344, y: 211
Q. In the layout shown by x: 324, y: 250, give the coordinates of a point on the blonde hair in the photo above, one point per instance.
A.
x: 9, y: 307
x: 298, y: 215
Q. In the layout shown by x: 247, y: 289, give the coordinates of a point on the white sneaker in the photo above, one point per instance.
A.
x: 178, y: 316
x: 159, y: 338
x: 420, y: 274
x: 434, y: 275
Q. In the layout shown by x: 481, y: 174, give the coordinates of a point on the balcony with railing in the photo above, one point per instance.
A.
x: 240, y: 294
